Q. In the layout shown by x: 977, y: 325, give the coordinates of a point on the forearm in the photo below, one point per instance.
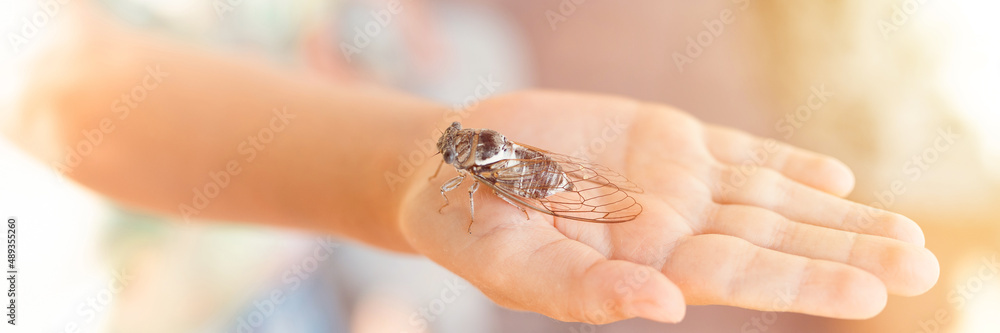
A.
x: 219, y: 137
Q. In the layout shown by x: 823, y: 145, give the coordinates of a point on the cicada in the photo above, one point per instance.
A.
x: 534, y: 178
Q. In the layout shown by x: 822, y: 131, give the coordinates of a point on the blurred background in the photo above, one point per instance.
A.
x: 903, y: 91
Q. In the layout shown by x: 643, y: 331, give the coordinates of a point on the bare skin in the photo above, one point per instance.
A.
x: 774, y: 234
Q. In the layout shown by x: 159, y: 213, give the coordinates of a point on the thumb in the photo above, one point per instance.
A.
x: 615, y: 289
x: 571, y: 281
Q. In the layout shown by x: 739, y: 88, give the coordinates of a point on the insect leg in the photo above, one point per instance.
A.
x: 526, y: 217
x: 448, y: 186
x: 437, y: 171
x: 472, y: 204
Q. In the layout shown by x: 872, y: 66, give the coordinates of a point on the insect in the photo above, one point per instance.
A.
x: 533, y: 178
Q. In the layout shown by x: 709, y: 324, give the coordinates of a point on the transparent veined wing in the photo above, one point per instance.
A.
x: 588, y: 171
x: 563, y: 186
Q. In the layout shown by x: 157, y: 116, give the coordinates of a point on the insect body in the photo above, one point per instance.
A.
x: 533, y: 178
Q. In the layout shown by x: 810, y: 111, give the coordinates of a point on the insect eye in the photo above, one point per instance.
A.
x: 449, y: 156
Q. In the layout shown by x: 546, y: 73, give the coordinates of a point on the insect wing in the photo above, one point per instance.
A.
x: 586, y: 171
x: 595, y: 192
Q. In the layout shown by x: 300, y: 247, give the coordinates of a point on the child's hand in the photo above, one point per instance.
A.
x: 728, y: 219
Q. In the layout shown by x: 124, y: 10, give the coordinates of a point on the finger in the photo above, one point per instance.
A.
x: 821, y: 172
x: 570, y: 281
x: 904, y: 268
x: 771, y: 190
x: 718, y: 269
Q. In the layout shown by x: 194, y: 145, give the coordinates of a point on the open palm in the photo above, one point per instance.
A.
x: 728, y: 219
